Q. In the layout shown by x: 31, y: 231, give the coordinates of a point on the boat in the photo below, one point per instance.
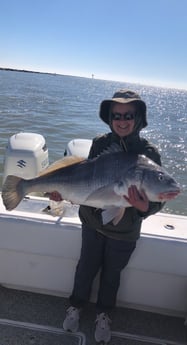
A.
x: 39, y: 250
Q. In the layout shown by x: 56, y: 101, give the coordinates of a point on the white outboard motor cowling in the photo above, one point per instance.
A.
x: 78, y: 147
x: 26, y: 155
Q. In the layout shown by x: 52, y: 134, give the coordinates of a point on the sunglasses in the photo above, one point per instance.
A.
x: 125, y: 117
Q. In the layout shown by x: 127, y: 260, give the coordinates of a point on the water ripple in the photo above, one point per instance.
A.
x: 61, y: 108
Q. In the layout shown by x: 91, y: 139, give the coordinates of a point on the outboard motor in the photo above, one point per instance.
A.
x: 78, y: 147
x: 26, y: 155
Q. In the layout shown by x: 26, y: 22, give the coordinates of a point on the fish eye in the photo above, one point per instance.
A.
x: 161, y: 177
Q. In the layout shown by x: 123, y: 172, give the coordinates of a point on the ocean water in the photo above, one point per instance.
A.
x: 65, y: 107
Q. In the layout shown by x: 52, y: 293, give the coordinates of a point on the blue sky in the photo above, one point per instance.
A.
x: 140, y: 41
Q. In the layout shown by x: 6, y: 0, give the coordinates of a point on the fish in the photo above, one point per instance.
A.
x: 100, y: 182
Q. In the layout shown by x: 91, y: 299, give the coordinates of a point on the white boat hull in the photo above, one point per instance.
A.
x: 39, y: 252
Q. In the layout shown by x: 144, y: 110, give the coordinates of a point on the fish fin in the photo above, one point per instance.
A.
x: 12, y: 192
x: 119, y: 216
x: 111, y: 149
x: 61, y: 163
x: 113, y: 213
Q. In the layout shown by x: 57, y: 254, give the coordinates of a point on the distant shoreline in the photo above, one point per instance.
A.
x: 92, y: 77
x: 24, y: 70
x: 48, y: 73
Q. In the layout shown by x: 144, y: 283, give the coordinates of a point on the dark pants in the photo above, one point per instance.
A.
x: 100, y: 252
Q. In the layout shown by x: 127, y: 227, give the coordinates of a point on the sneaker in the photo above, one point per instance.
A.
x: 71, y: 322
x: 102, y: 330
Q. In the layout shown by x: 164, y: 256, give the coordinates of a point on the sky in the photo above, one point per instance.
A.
x: 138, y: 41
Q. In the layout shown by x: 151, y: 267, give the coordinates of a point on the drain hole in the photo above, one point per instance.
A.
x: 169, y: 227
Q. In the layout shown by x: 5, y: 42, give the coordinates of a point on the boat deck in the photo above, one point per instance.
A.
x: 32, y: 318
x: 28, y: 318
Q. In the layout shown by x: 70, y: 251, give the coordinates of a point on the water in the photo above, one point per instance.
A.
x: 63, y: 107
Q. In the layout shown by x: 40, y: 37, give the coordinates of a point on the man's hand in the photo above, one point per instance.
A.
x: 55, y: 196
x: 137, y: 199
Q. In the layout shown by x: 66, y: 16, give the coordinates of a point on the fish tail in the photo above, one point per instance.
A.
x: 12, y: 192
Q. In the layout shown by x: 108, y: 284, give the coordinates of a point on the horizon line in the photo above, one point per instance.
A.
x: 91, y: 77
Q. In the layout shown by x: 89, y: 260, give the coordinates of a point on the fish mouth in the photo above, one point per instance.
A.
x: 169, y: 195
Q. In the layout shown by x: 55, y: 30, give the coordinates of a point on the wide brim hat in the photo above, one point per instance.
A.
x: 123, y: 96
